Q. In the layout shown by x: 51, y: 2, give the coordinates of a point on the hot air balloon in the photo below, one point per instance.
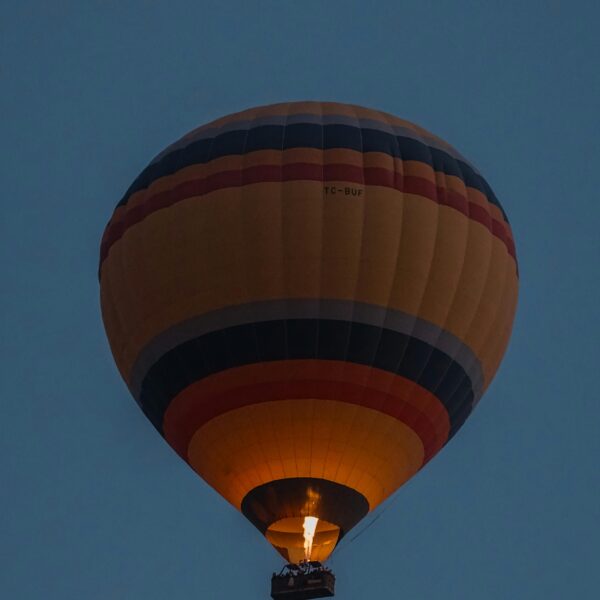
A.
x: 307, y: 300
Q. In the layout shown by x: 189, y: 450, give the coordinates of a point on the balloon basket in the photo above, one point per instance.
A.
x: 306, y: 580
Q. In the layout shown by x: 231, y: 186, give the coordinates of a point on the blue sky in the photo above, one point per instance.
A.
x: 93, y: 503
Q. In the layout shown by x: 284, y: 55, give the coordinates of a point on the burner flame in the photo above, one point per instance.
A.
x: 310, y: 527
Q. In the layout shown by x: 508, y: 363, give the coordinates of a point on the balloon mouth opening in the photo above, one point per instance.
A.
x: 303, y: 538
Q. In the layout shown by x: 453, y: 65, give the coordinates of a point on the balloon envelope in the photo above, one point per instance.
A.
x: 307, y: 300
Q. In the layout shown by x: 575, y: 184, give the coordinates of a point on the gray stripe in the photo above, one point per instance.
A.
x: 318, y: 120
x: 341, y: 310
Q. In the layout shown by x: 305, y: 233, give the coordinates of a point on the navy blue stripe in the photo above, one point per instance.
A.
x: 325, y: 339
x: 309, y: 135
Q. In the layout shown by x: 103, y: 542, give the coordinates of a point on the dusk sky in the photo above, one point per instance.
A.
x: 94, y: 504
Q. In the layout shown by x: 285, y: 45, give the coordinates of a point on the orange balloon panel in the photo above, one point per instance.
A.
x: 365, y: 449
x: 307, y: 300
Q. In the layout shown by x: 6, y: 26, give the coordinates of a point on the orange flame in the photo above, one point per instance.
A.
x: 310, y: 527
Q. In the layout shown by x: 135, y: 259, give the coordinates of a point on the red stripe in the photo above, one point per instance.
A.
x: 307, y: 172
x: 184, y: 417
x: 479, y: 214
